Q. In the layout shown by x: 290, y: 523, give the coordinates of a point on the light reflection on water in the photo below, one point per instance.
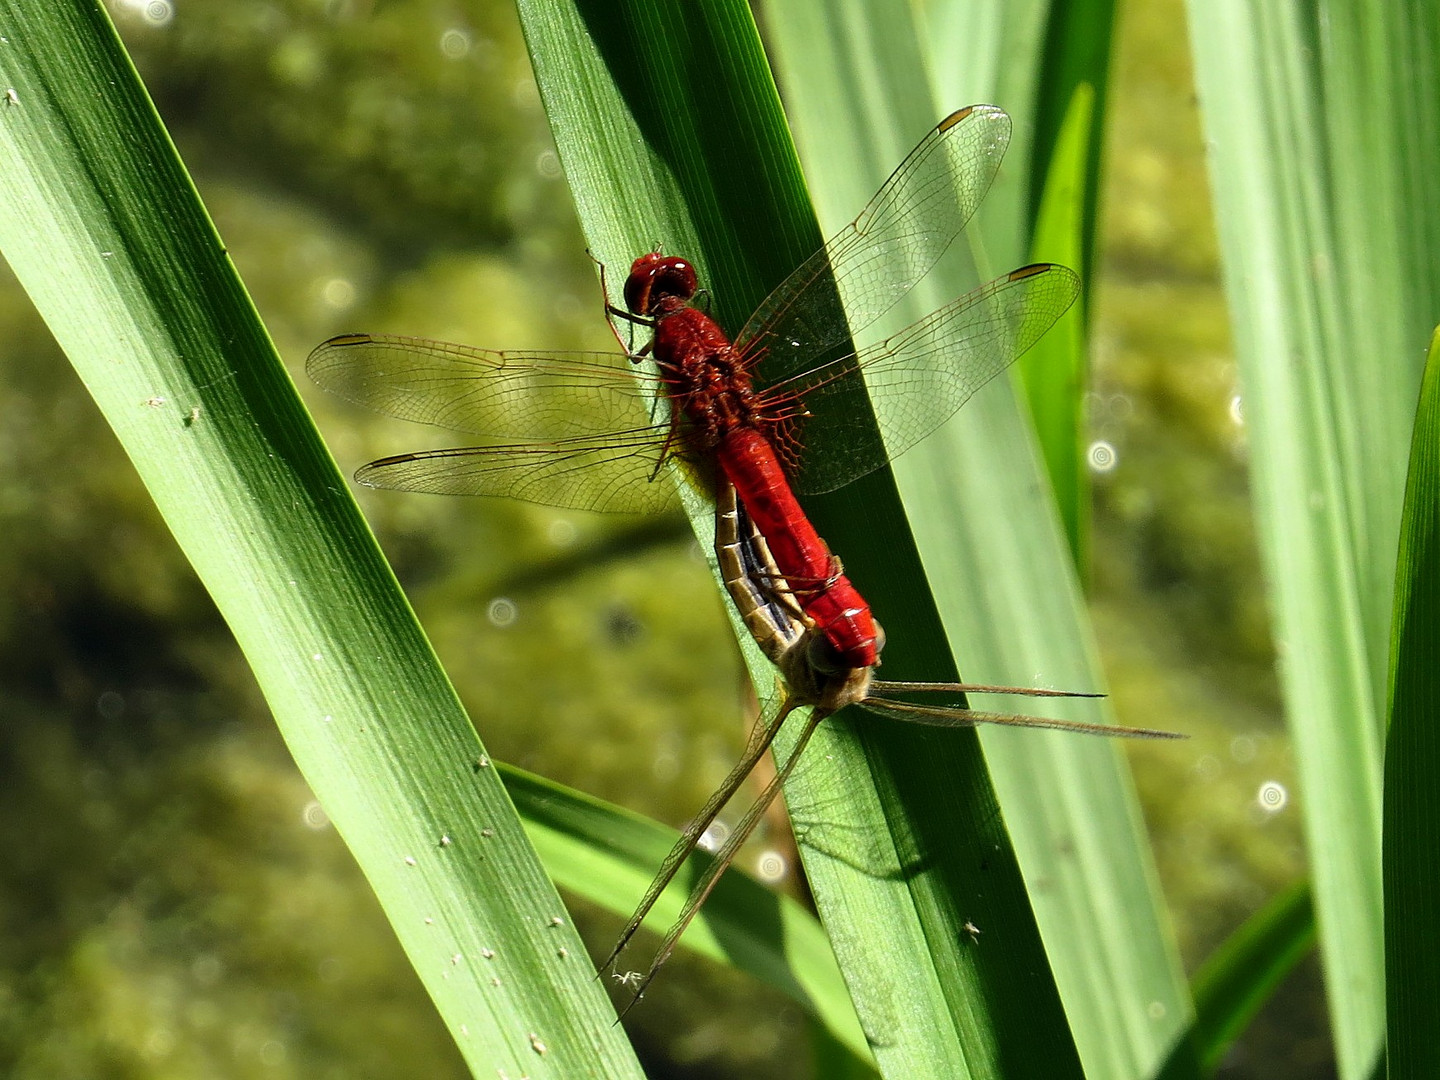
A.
x: 454, y: 44
x: 771, y: 867
x: 714, y: 836
x: 1101, y: 456
x: 1272, y: 797
x: 502, y: 611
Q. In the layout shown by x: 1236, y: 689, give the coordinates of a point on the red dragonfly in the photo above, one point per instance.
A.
x: 791, y: 641
x: 776, y: 410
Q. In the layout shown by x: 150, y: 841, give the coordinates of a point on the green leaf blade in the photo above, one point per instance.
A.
x: 1005, y: 583
x: 1412, y: 758
x: 933, y: 1001
x: 604, y: 853
x: 104, y: 229
x: 1328, y: 245
x: 1053, y: 373
x: 1239, y: 977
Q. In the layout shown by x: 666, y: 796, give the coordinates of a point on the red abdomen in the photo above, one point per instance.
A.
x: 811, y: 571
x: 711, y: 384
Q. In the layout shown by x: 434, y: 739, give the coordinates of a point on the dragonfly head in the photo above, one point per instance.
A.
x: 659, y: 284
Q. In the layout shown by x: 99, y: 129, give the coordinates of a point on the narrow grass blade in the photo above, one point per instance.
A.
x: 1054, y: 373
x: 1412, y: 759
x: 103, y: 228
x: 1077, y: 55
x: 1240, y: 977
x: 1005, y: 583
x: 1323, y: 132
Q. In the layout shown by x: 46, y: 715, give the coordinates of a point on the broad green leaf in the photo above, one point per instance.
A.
x: 675, y: 120
x: 1005, y: 582
x: 103, y: 228
x: 1322, y: 134
x: 1412, y: 759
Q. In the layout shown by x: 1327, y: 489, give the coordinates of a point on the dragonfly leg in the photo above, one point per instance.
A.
x: 612, y: 313
x: 723, y: 858
x: 761, y: 737
x: 671, y: 437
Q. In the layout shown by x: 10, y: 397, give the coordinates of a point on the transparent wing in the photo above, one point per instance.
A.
x: 865, y: 268
x: 917, y: 378
x: 613, y: 472
x: 509, y: 395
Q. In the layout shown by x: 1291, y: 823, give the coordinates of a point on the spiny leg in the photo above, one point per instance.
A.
x: 761, y: 736
x: 722, y: 858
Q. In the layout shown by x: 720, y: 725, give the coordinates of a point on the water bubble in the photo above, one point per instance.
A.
x: 566, y: 305
x: 1208, y: 767
x: 665, y: 765
x: 561, y: 532
x: 525, y: 94
x: 1242, y: 749
x: 502, y: 611
x: 454, y: 44
x: 771, y: 867
x: 1101, y: 456
x: 1272, y: 796
x: 1237, y: 410
x: 547, y: 164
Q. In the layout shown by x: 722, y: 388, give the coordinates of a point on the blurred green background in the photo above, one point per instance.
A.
x: 176, y: 904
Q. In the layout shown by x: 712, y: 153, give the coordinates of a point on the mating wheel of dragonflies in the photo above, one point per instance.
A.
x: 784, y: 408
